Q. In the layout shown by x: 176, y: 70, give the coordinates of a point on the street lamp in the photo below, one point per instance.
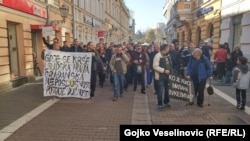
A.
x: 64, y: 12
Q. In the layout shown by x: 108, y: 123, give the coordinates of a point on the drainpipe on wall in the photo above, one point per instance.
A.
x: 74, y: 25
x: 48, y: 17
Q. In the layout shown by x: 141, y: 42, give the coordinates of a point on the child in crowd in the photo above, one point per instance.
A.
x: 241, y: 81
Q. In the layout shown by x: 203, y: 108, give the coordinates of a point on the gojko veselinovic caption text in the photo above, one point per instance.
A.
x: 194, y: 132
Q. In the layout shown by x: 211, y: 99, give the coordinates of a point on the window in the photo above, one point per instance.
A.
x: 187, y: 6
x: 79, y: 16
x: 198, y: 35
x: 237, y: 29
x: 78, y: 3
x: 211, y: 31
x: 82, y: 4
x: 190, y: 35
x: 200, y: 2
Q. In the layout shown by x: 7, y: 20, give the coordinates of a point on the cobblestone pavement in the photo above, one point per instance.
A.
x: 99, y: 119
x: 80, y: 120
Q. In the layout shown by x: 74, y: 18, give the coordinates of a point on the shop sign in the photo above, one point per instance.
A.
x: 204, y: 11
x: 100, y: 34
x: 25, y: 6
x: 39, y: 27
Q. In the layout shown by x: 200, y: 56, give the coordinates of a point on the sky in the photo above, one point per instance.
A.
x: 147, y: 13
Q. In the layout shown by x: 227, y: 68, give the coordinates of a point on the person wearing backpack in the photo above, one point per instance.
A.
x: 241, y: 82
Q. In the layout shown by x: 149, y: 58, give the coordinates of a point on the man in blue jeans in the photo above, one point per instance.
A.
x: 118, y: 67
x: 162, y: 67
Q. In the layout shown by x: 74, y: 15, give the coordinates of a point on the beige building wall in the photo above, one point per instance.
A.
x: 116, y: 21
x: 200, y: 27
x: 19, y: 39
x: 16, y: 44
x: 88, y: 20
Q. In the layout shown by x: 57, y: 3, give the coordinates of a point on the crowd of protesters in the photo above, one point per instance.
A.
x: 135, y: 64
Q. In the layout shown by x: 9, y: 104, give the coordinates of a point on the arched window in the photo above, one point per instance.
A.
x: 198, y: 35
x: 182, y: 38
x: 189, y: 35
x: 210, y: 30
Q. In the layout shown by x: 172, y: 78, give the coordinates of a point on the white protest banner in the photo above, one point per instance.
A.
x: 179, y: 88
x: 67, y: 74
x: 47, y: 31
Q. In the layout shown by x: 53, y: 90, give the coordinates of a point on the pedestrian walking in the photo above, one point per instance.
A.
x: 101, y: 66
x: 139, y: 61
x: 95, y: 59
x: 162, y: 67
x: 118, y: 67
x: 241, y: 82
x: 199, y: 70
x: 220, y: 57
x: 236, y: 54
x: 149, y: 68
x: 128, y: 64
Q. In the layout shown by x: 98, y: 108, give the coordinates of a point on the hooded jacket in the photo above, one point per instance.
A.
x: 241, y: 77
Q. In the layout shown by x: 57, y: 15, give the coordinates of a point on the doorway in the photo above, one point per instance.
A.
x: 13, y: 50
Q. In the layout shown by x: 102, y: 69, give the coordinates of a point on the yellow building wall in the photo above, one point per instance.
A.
x: 23, y: 33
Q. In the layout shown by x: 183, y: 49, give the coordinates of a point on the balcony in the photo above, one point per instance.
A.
x: 184, y: 10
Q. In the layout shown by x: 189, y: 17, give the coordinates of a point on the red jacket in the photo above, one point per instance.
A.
x: 220, y: 55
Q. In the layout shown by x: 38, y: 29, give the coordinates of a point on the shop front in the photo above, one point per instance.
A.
x: 16, y: 57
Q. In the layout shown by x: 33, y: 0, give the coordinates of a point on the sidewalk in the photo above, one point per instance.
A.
x: 19, y: 101
x: 98, y: 120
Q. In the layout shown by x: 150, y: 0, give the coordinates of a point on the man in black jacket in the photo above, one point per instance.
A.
x: 75, y: 47
x: 95, y: 59
x: 205, y: 50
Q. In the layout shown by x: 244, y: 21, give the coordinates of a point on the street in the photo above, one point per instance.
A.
x: 99, y: 119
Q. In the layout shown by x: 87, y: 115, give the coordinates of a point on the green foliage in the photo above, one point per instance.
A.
x: 150, y: 36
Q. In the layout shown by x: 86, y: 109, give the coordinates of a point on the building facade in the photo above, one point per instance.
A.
x: 95, y: 19
x: 169, y: 13
x: 194, y: 20
x: 116, y: 21
x: 88, y: 19
x: 160, y: 34
x: 235, y: 25
x: 16, y: 57
x: 22, y: 21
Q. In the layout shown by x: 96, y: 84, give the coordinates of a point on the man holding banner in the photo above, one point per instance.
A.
x: 162, y: 67
x: 198, y: 70
x: 95, y: 59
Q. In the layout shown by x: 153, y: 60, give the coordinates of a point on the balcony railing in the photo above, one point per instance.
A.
x: 184, y: 6
x: 184, y: 10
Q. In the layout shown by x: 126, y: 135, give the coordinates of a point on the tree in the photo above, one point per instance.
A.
x: 150, y: 36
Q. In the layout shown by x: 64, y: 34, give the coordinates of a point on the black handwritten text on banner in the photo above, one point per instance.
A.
x: 67, y: 74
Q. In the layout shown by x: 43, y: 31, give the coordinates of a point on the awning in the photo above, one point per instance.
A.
x: 39, y: 27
